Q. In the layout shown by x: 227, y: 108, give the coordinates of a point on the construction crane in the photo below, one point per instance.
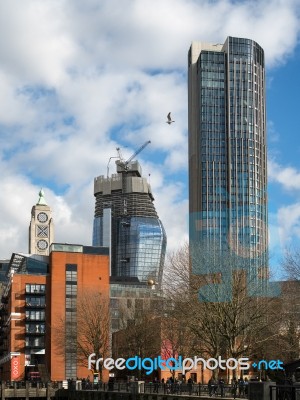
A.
x: 125, y: 164
x: 120, y: 154
x: 137, y: 152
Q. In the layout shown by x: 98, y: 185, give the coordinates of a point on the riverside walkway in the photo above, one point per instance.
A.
x: 143, y: 391
x: 27, y: 390
x: 81, y: 390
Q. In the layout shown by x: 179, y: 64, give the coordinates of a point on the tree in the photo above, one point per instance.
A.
x: 290, y: 306
x: 93, y: 327
x: 176, y: 338
x: 140, y: 337
x: 181, y: 288
x: 289, y: 325
x: 223, y: 307
x: 291, y: 264
x: 88, y: 332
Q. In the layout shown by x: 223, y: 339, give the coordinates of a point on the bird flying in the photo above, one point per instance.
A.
x: 169, y: 119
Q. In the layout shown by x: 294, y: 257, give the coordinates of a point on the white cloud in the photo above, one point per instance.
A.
x: 273, y: 24
x: 35, y: 47
x: 285, y: 223
x: 289, y: 222
x: 288, y: 177
x: 78, y: 79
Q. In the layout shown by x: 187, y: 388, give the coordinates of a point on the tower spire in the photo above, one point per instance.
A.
x: 41, y: 229
x: 41, y: 200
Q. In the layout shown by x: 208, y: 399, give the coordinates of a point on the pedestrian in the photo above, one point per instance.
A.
x: 234, y: 386
x: 190, y: 386
x: 246, y: 385
x: 168, y: 386
x: 209, y: 385
x: 212, y: 387
x: 221, y: 386
x: 155, y: 385
x: 241, y: 386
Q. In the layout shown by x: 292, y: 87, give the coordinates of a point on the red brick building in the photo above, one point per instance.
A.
x: 40, y: 302
x: 74, y: 270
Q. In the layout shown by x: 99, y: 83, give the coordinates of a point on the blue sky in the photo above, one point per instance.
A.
x: 283, y: 101
x: 78, y: 79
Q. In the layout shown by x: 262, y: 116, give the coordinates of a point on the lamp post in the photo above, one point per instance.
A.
x: 152, y: 283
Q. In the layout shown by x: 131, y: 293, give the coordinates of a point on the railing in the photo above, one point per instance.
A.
x: 47, y: 389
x: 284, y: 392
x: 164, y: 388
x: 27, y: 389
x: 30, y: 384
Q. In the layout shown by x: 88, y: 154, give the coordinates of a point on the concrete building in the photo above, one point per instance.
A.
x: 128, y: 300
x: 228, y: 160
x: 126, y: 221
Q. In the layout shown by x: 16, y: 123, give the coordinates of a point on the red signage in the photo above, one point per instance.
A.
x: 15, y: 367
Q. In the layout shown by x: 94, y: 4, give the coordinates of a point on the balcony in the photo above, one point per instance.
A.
x: 41, y: 318
x: 35, y: 333
x: 35, y: 329
x: 29, y: 304
x: 35, y: 345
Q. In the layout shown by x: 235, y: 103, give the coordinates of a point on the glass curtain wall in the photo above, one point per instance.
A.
x: 229, y: 223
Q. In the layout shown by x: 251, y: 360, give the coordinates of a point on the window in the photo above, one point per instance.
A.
x: 35, y: 301
x: 71, y: 321
x: 35, y: 288
x: 35, y: 315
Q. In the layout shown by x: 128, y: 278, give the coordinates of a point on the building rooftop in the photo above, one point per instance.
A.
x: 78, y: 248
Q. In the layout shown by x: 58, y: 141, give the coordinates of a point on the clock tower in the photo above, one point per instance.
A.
x: 41, y: 229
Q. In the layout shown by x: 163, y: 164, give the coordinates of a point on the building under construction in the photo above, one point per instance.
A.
x: 126, y: 221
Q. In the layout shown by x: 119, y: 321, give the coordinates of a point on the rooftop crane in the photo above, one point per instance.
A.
x: 126, y: 163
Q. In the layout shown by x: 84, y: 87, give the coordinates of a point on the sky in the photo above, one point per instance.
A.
x: 80, y: 78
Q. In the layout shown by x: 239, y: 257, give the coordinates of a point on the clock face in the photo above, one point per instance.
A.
x: 42, y: 217
x: 42, y: 230
x: 42, y: 244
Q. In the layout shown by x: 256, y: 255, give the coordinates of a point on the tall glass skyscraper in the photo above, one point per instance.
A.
x: 228, y: 159
x: 126, y: 221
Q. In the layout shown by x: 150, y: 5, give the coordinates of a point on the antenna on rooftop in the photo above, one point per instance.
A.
x: 110, y: 158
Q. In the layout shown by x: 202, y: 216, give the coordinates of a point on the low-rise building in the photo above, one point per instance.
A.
x: 40, y: 311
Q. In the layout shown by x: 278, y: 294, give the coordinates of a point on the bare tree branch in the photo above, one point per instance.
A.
x: 89, y: 333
